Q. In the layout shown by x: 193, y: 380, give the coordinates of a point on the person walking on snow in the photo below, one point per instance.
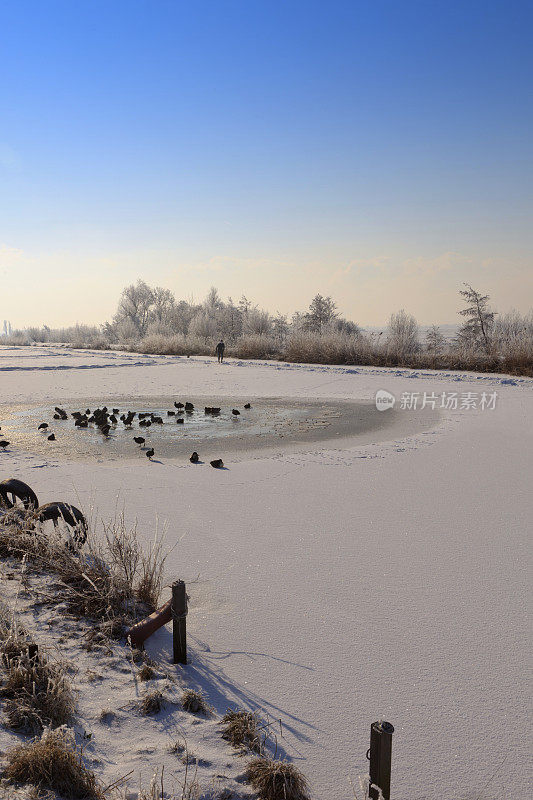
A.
x: 220, y: 350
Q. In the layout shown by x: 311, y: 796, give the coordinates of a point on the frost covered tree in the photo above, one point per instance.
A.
x: 163, y: 305
x: 435, y: 340
x: 322, y: 312
x: 203, y: 325
x: 280, y: 327
x: 479, y: 319
x: 402, y: 335
x: 135, y: 304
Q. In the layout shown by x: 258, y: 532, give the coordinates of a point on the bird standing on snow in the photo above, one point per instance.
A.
x: 217, y: 463
x: 4, y: 444
x: 150, y: 453
x: 43, y: 426
x: 195, y: 458
x: 235, y: 412
x: 139, y: 440
x: 52, y: 437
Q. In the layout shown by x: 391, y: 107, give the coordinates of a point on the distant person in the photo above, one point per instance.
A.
x: 220, y: 351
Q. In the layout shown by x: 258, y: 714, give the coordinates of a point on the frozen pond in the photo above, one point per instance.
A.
x: 267, y: 423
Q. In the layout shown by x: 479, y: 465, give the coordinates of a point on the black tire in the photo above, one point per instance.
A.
x: 71, y: 515
x: 21, y: 491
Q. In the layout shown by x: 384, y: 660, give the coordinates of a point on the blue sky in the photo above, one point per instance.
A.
x: 376, y: 151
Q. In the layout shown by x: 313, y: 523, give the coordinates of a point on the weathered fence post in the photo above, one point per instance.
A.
x: 33, y: 652
x: 179, y: 622
x: 380, y: 756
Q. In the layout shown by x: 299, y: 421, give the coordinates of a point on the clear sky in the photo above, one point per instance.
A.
x: 379, y: 152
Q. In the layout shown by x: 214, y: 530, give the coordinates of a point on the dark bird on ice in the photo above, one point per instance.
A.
x: 43, y: 426
x: 189, y: 407
x: 195, y: 458
x: 178, y: 405
x: 116, y: 411
x: 139, y: 440
x: 171, y: 413
x: 179, y: 420
x: 208, y: 410
x: 217, y: 463
x: 4, y: 444
x: 150, y: 453
x: 105, y: 430
x: 113, y: 419
x: 56, y: 416
x: 52, y: 437
x: 247, y: 405
x: 235, y: 412
x: 145, y: 423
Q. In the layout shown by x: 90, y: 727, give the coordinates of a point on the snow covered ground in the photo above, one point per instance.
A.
x: 340, y: 583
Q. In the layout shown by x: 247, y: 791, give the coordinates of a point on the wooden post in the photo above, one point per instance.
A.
x: 179, y: 622
x: 380, y: 757
x: 143, y: 629
x: 33, y: 652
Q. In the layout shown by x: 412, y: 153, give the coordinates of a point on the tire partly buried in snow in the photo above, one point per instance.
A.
x: 71, y: 515
x: 12, y: 490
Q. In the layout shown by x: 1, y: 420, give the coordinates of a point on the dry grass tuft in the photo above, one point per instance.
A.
x: 51, y: 763
x: 106, y: 716
x: 276, y: 780
x: 146, y: 673
x: 195, y: 703
x: 37, y: 693
x: 243, y: 730
x: 114, y: 583
x: 152, y: 703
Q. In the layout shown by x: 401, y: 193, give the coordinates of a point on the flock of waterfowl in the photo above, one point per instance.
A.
x: 105, y: 421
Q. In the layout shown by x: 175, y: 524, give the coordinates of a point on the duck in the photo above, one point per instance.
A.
x: 189, y: 407
x: 149, y: 453
x: 139, y: 440
x: 247, y: 405
x: 56, y: 416
x: 217, y: 463
x: 4, y: 444
x: 178, y: 405
x: 235, y: 412
x: 52, y: 437
x: 195, y: 458
x: 116, y: 411
x: 180, y: 420
x: 43, y: 426
x: 105, y: 430
x: 171, y: 413
x: 113, y: 419
x: 208, y: 410
x: 215, y: 411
